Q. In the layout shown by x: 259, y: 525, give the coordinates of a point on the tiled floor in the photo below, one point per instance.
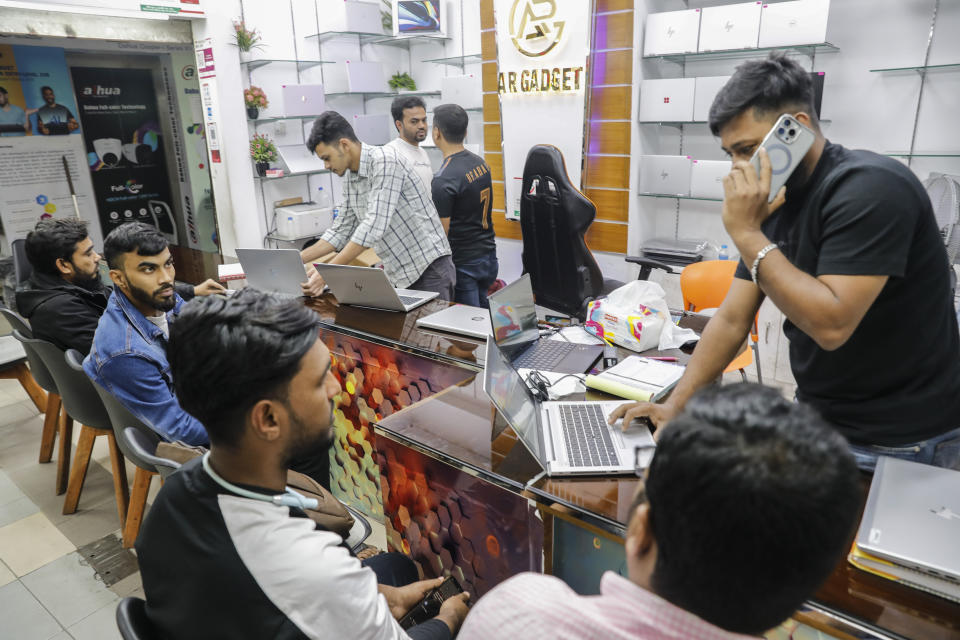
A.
x: 47, y: 589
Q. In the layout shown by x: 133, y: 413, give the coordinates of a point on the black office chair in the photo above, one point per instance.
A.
x: 132, y: 620
x: 21, y: 265
x: 54, y: 418
x: 554, y: 218
x: 81, y: 403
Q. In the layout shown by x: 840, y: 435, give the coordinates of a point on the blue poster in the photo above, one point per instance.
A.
x: 36, y: 97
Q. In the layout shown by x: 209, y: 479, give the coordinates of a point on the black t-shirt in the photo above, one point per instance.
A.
x: 462, y: 191
x: 897, y: 379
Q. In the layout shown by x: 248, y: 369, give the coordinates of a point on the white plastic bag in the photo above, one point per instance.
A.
x: 635, y: 316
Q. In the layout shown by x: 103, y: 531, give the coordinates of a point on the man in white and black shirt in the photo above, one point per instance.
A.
x: 384, y: 208
x: 226, y: 550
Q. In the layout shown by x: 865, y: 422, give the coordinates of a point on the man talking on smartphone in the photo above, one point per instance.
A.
x: 850, y: 252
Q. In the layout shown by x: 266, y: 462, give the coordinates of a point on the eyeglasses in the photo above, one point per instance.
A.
x: 642, y: 455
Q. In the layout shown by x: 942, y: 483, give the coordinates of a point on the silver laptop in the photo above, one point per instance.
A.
x: 667, y: 100
x: 460, y: 318
x: 912, y: 518
x: 376, y: 128
x: 783, y: 24
x: 706, y: 178
x: 671, y: 32
x: 665, y: 174
x: 369, y: 287
x: 513, y: 316
x: 705, y: 92
x: 465, y: 91
x: 303, y: 99
x: 278, y: 270
x: 566, y: 438
x: 365, y: 77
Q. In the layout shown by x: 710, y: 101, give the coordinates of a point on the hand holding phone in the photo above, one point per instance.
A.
x: 431, y: 604
x: 786, y: 145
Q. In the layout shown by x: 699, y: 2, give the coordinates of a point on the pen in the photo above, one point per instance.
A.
x: 663, y: 358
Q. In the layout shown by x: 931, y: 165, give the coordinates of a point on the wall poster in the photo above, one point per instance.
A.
x: 124, y: 146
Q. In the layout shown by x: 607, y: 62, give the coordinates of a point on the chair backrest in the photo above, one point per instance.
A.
x: 76, y: 390
x: 17, y: 322
x: 120, y: 417
x: 38, y: 368
x: 21, y: 265
x: 132, y: 620
x: 554, y: 216
x: 144, y: 448
x: 704, y: 285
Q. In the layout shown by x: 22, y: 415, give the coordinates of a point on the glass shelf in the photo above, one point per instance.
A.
x: 406, y: 41
x: 677, y: 197
x: 292, y: 175
x: 278, y: 118
x: 458, y: 61
x: 301, y: 64
x: 680, y: 123
x: 377, y: 38
x: 920, y: 68
x: 384, y: 94
x: 923, y: 154
x: 809, y: 49
x: 276, y: 238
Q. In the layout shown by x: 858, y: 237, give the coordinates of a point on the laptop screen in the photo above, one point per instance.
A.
x: 513, y: 315
x: 507, y: 390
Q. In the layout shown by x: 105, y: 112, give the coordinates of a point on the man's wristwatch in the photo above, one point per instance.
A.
x: 760, y: 256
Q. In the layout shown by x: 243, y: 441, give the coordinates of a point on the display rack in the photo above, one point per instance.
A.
x: 810, y: 50
x: 313, y: 172
x: 647, y: 194
x: 257, y: 63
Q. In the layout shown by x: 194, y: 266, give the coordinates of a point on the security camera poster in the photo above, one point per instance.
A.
x: 40, y: 142
x: 125, y: 149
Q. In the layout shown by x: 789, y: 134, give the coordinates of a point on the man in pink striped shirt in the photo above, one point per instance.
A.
x: 747, y: 506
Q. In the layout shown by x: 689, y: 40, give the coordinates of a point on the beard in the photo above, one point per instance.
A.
x: 88, y: 281
x: 306, y: 445
x: 153, y: 300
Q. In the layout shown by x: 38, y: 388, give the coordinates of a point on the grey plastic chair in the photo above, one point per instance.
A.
x: 17, y: 321
x: 81, y: 403
x: 54, y: 419
x: 146, y: 449
x: 121, y: 419
x: 132, y: 620
x: 22, y: 269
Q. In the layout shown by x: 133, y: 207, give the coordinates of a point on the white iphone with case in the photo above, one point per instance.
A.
x: 786, y: 145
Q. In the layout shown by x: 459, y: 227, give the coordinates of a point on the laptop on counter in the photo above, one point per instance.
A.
x: 459, y: 318
x: 279, y: 271
x: 369, y: 287
x: 912, y: 518
x: 513, y: 316
x: 566, y: 438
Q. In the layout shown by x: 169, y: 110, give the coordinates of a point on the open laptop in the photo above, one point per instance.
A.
x: 566, y: 438
x: 277, y: 270
x: 459, y: 318
x: 369, y: 287
x: 912, y: 518
x: 513, y: 316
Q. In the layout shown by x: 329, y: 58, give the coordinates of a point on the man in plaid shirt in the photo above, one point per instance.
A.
x: 383, y: 209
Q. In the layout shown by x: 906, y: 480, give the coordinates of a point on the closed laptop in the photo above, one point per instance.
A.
x: 730, y: 26
x: 669, y: 100
x: 374, y: 128
x: 671, y: 32
x: 365, y: 77
x: 362, y: 17
x: 707, y: 88
x: 706, y: 178
x: 465, y: 91
x: 303, y: 99
x: 668, y: 175
x: 785, y: 24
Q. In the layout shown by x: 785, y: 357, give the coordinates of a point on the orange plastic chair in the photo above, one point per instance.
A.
x: 704, y: 285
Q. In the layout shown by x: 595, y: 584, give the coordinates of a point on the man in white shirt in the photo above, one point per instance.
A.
x: 747, y: 507
x: 410, y: 118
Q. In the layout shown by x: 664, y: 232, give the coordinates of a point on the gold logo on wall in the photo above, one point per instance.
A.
x: 532, y: 29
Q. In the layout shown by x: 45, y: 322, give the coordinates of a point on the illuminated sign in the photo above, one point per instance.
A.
x: 536, y: 31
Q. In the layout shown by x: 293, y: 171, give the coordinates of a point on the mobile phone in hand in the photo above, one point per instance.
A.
x: 786, y: 144
x: 429, y: 607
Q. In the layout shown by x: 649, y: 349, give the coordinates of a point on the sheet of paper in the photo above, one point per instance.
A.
x: 576, y: 335
x: 646, y: 372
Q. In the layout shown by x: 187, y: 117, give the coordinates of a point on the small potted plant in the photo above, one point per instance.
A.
x: 255, y: 99
x: 263, y: 151
x: 402, y: 82
x: 246, y: 39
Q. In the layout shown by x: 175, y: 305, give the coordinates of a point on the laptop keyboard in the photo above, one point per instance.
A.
x: 408, y: 299
x: 544, y: 355
x: 587, y: 436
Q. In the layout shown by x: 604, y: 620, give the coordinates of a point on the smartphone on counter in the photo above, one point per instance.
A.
x: 786, y: 144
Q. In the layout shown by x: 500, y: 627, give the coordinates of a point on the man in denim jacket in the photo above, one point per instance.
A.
x: 129, y: 353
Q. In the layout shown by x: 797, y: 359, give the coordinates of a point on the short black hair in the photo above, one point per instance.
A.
x: 452, y: 121
x: 3, y: 90
x: 753, y: 499
x: 136, y: 237
x: 405, y: 102
x: 46, y: 88
x: 329, y: 128
x: 775, y: 84
x: 52, y: 239
x: 227, y: 354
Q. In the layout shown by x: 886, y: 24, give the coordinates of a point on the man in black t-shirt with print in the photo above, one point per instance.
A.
x: 851, y: 253
x: 463, y: 194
